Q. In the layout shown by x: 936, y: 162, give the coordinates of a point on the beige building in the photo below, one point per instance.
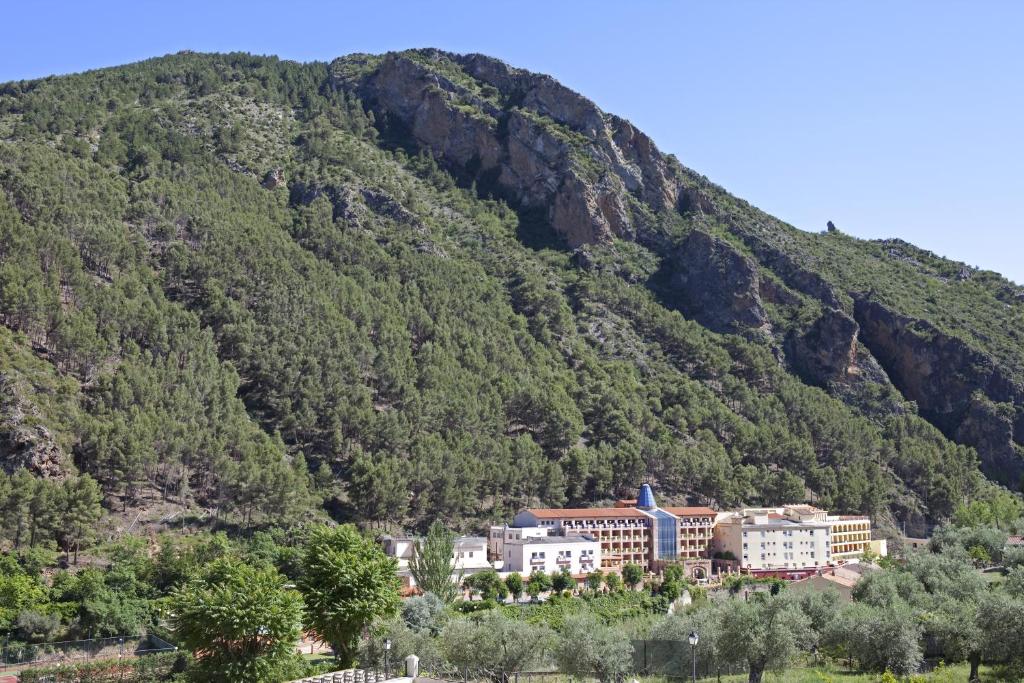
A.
x: 793, y: 540
x: 851, y: 536
x: 577, y: 554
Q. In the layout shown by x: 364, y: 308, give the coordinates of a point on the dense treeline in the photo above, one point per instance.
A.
x: 245, y: 343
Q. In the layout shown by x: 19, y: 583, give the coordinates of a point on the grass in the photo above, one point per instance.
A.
x: 943, y: 674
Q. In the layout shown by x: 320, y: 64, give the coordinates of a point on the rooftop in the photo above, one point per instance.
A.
x: 585, y: 513
x: 691, y: 511
x: 470, y: 540
x: 551, y: 540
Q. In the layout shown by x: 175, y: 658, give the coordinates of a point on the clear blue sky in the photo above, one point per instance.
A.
x: 900, y: 119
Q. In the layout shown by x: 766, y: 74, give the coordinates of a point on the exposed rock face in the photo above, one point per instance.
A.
x: 792, y: 273
x: 943, y: 375
x: 717, y: 285
x: 582, y: 182
x: 273, y: 179
x: 827, y: 352
x: 23, y: 444
x: 989, y: 428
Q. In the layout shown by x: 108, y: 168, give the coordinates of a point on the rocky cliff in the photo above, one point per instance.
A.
x: 595, y: 178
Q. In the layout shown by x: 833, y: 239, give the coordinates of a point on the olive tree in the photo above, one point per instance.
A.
x: 765, y: 632
x: 494, y: 646
x: 587, y: 647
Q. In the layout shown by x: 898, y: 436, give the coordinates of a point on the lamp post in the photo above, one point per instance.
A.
x: 387, y: 654
x: 693, y: 652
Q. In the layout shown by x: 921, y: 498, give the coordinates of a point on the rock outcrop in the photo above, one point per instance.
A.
x: 952, y: 383
x: 989, y: 428
x: 716, y: 285
x: 24, y: 442
x: 528, y: 138
x: 827, y: 352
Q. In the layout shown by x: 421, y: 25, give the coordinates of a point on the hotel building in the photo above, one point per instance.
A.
x: 636, y: 532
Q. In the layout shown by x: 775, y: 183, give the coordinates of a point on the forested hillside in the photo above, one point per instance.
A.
x: 422, y: 285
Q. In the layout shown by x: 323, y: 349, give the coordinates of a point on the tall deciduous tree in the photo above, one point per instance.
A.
x: 632, y: 574
x: 433, y: 564
x: 347, y: 582
x: 241, y: 622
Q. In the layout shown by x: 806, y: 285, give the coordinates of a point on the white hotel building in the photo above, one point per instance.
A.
x: 576, y: 554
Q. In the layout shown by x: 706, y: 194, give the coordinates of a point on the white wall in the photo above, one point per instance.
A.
x: 525, y: 557
x: 795, y: 546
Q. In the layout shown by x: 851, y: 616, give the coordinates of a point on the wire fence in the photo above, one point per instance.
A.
x: 16, y: 654
x: 670, y: 660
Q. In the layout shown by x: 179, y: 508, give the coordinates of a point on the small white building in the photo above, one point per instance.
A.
x: 500, y: 534
x: 577, y: 554
x: 469, y: 552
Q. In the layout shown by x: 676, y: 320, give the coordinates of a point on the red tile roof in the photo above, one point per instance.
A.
x: 587, y: 513
x: 691, y: 512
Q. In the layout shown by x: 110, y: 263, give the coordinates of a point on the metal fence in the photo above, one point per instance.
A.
x: 673, y: 660
x: 69, y: 651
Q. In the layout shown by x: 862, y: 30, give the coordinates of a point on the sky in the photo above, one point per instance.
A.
x: 891, y: 119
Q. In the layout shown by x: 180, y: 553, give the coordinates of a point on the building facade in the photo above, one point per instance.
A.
x: 578, y: 555
x: 790, y: 541
x: 637, y: 532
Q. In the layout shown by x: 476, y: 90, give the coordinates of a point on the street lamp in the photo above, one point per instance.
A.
x: 387, y: 653
x: 693, y: 652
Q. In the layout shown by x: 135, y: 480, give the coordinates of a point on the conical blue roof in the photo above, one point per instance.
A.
x: 646, y: 498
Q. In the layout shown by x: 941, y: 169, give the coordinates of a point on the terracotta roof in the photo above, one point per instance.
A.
x: 587, y: 513
x: 691, y: 512
x: 1015, y: 540
x: 775, y: 515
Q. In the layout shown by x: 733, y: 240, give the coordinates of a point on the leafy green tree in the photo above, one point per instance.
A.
x: 241, y: 622
x: 880, y: 639
x: 537, y: 583
x: 765, y: 632
x: 494, y: 646
x: 678, y: 627
x: 433, y: 564
x: 587, y: 647
x: 595, y: 580
x: 347, y: 582
x: 613, y: 581
x: 562, y: 580
x: 514, y: 584
x: 632, y: 575
x: 488, y: 584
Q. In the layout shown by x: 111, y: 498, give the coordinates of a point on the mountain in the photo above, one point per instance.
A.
x: 421, y: 285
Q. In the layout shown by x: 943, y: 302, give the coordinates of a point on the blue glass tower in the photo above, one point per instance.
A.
x: 645, y: 501
x: 665, y: 525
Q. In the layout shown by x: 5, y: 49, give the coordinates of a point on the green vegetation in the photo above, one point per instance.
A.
x: 372, y: 336
x: 433, y: 563
x: 346, y: 582
x: 242, y: 623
